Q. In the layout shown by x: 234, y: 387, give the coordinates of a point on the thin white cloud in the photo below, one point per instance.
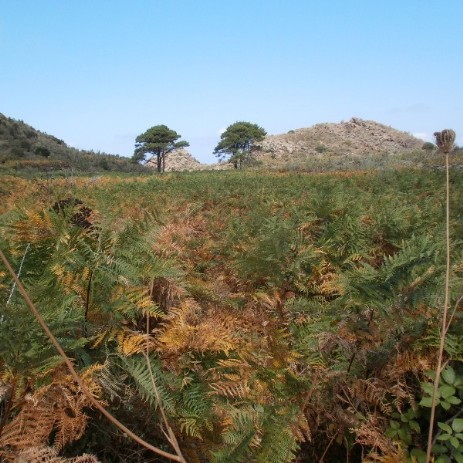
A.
x: 422, y: 136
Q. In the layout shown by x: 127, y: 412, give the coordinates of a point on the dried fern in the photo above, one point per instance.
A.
x: 381, y: 449
x: 57, y: 408
x: 49, y: 455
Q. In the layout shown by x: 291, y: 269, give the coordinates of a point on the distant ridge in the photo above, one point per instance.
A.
x: 24, y: 148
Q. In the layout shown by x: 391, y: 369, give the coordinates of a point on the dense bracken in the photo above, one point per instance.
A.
x: 285, y: 316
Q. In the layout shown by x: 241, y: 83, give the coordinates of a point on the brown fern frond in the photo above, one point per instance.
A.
x: 406, y: 362
x: 71, y: 426
x: 402, y: 394
x: 373, y: 393
x: 397, y: 456
x: 230, y: 389
x: 49, y: 455
x: 57, y: 409
x: 397, y: 375
x: 301, y: 429
x: 232, y: 363
x: 166, y: 292
x: 370, y: 434
x: 38, y: 455
x: 67, y: 403
x: 85, y: 458
x: 31, y: 427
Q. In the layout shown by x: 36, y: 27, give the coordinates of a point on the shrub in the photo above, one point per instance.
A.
x: 428, y: 146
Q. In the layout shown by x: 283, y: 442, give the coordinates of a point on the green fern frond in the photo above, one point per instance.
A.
x: 140, y: 374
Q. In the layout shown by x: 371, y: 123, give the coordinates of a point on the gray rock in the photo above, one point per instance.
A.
x: 177, y: 161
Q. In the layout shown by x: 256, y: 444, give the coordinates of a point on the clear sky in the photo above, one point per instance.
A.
x: 97, y: 73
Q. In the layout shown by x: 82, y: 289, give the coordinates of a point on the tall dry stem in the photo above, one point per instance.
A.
x: 444, y: 141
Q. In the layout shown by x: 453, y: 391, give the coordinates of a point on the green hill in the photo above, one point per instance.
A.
x: 24, y: 149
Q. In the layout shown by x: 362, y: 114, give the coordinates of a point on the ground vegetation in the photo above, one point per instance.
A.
x: 264, y: 316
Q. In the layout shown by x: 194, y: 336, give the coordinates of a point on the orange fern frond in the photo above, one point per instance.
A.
x: 35, y: 227
x: 132, y: 342
x: 185, y: 330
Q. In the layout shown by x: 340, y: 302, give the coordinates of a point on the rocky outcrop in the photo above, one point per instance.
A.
x: 177, y: 161
x: 355, y: 137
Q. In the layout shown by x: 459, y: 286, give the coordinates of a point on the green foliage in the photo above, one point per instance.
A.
x: 447, y: 391
x: 406, y: 427
x: 428, y: 146
x: 320, y: 149
x: 403, y: 425
x: 237, y: 141
x: 28, y: 354
x: 141, y: 375
x: 157, y: 141
x: 258, y: 434
x: 41, y: 151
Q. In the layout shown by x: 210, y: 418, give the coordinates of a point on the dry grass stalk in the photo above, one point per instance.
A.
x: 445, y: 141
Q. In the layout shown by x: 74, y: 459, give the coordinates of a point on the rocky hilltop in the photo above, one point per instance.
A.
x: 355, y: 137
x: 176, y: 161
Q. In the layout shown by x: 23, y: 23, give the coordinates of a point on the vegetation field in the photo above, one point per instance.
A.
x: 270, y: 317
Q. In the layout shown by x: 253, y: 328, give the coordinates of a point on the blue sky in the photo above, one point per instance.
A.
x: 97, y: 73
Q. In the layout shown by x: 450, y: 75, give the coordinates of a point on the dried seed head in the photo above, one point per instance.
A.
x: 445, y: 140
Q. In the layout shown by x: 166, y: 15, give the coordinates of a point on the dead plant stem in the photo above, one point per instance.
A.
x: 444, y: 327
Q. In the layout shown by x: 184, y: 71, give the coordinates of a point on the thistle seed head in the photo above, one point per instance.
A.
x: 445, y: 140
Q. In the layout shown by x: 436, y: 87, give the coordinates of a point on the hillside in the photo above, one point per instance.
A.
x: 23, y: 148
x: 356, y: 137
